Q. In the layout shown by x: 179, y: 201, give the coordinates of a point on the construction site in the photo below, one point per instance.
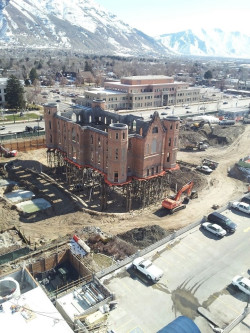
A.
x: 61, y: 224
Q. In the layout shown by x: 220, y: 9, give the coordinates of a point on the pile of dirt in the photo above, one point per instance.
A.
x: 112, y: 247
x: 181, y: 177
x: 225, y: 135
x: 143, y: 237
x: 191, y: 137
x: 214, y: 135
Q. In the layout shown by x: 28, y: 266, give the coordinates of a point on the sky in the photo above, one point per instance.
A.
x: 156, y: 17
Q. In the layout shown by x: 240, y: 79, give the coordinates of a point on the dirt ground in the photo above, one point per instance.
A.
x: 66, y: 219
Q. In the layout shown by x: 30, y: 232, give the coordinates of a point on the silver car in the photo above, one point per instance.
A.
x: 214, y: 229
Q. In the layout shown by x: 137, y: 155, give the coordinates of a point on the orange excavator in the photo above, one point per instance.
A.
x: 175, y: 204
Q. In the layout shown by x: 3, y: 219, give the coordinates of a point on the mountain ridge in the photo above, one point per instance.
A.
x: 211, y: 42
x: 82, y: 26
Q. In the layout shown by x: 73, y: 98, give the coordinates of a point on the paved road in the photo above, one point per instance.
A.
x: 198, y: 269
x: 194, y: 109
x: 20, y: 126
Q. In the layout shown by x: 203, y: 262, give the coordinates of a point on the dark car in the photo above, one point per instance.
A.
x: 37, y: 128
x: 28, y: 129
x: 246, y: 198
x: 223, y: 221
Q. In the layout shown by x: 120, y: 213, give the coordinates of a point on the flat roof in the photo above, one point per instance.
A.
x: 105, y: 92
x: 146, y: 77
x: 36, y: 313
x: 115, y: 83
x: 232, y: 110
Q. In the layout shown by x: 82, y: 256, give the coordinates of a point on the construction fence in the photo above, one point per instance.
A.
x: 24, y: 143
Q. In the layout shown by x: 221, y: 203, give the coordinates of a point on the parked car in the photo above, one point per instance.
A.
x: 202, y: 108
x: 146, y: 267
x: 214, y: 229
x: 37, y: 128
x: 164, y: 114
x: 187, y: 107
x: 223, y: 221
x: 28, y: 128
x: 58, y: 100
x: 241, y: 206
x: 225, y: 102
x: 2, y: 127
x: 246, y: 198
x: 242, y: 283
x: 167, y: 107
x: 204, y: 169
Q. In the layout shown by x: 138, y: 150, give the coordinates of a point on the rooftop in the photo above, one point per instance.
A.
x: 147, y: 77
x: 32, y: 310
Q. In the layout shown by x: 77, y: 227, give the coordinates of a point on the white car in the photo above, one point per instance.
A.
x: 146, y: 267
x: 241, y: 206
x: 2, y: 127
x: 204, y: 169
x: 242, y: 283
x: 214, y: 228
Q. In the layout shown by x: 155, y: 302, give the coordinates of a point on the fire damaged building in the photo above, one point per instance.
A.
x: 124, y: 150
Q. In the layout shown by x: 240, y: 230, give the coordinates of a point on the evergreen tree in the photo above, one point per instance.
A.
x: 208, y: 75
x: 14, y: 93
x: 88, y: 67
x: 27, y: 82
x: 33, y: 75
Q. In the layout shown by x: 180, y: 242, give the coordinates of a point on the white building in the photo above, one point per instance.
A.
x: 24, y: 306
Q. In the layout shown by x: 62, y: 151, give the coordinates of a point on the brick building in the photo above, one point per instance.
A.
x: 120, y: 147
x: 141, y: 92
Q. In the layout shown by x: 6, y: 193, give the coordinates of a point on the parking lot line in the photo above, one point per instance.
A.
x: 176, y: 252
x: 136, y: 330
x: 189, y: 247
x: 246, y: 230
x: 226, y: 304
x: 124, y: 324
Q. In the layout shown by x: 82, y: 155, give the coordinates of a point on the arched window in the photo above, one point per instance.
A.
x: 73, y: 134
x: 153, y: 147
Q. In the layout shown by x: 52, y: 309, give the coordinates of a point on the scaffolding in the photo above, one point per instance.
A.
x: 137, y: 193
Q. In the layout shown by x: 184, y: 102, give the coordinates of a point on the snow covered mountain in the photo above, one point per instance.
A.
x: 80, y: 25
x: 213, y: 42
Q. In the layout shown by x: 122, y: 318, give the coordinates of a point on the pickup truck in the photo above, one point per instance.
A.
x: 146, y: 267
x: 241, y: 206
x: 204, y: 169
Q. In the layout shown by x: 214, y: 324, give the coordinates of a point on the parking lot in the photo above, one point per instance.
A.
x: 198, y: 270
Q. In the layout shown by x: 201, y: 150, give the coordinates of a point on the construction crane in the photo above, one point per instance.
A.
x: 175, y: 204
